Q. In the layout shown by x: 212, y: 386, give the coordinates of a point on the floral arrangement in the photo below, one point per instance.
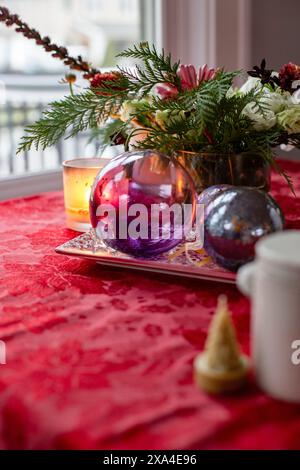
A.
x: 171, y: 107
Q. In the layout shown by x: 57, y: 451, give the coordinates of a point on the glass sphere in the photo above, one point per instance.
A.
x: 235, y: 220
x: 139, y: 203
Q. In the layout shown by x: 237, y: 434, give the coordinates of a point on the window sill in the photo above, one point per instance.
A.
x: 26, y: 185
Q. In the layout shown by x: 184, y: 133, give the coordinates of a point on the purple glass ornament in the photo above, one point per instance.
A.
x: 154, y: 182
x: 235, y: 220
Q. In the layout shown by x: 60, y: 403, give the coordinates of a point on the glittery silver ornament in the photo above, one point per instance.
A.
x: 235, y: 220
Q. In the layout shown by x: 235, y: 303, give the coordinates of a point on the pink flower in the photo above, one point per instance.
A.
x: 188, y: 77
x: 205, y: 74
x: 166, y: 91
x: 191, y: 79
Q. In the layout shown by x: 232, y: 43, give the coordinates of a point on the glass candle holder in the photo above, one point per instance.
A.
x: 79, y: 175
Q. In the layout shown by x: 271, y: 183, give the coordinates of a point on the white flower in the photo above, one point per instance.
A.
x: 162, y: 117
x: 127, y: 110
x: 289, y: 119
x: 254, y: 82
x: 286, y: 147
x: 296, y: 97
x: 276, y: 101
x: 232, y: 91
x: 251, y: 83
x: 167, y: 117
x: 131, y: 107
x: 261, y: 122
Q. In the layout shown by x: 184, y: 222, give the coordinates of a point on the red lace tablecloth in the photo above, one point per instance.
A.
x: 102, y: 358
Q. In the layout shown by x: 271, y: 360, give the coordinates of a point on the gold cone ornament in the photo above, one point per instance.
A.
x: 221, y: 367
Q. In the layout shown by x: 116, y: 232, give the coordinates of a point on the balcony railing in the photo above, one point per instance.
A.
x: 25, y: 99
x: 14, y: 117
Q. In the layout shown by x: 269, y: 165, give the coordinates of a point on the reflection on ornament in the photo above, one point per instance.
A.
x: 211, y: 192
x: 235, y: 220
x: 221, y: 367
x: 137, y: 186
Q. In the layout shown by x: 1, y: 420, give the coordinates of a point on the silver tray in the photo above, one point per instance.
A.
x: 180, y: 262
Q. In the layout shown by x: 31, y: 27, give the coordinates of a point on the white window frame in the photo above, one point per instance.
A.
x: 216, y: 32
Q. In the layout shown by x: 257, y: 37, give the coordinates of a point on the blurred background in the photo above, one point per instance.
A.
x: 230, y: 33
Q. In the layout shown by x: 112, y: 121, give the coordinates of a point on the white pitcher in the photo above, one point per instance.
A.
x: 273, y: 283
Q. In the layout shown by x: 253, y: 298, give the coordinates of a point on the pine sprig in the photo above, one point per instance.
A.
x: 157, y: 68
x: 74, y: 114
x: 69, y: 116
x: 147, y: 53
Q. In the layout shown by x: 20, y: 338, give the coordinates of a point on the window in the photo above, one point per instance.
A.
x: 192, y: 30
x: 95, y: 29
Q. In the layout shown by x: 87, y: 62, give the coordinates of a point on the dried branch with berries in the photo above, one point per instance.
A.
x: 56, y: 51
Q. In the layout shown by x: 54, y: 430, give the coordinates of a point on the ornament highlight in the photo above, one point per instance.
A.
x: 211, y: 192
